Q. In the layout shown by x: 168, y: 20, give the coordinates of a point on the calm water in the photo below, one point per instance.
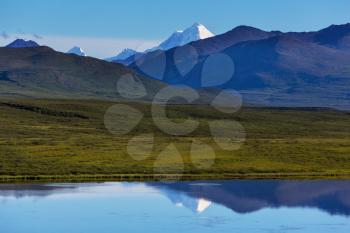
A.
x: 232, y: 206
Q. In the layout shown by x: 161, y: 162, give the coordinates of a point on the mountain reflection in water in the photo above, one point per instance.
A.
x: 249, y: 196
x: 332, y: 197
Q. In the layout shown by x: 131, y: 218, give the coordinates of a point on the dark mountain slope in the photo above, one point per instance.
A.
x: 230, y: 38
x: 334, y: 36
x: 43, y: 72
x: 283, y: 61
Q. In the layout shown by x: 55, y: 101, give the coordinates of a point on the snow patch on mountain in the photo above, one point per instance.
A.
x: 126, y: 53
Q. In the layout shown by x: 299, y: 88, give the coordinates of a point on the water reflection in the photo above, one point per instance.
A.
x: 186, y: 207
x: 332, y: 197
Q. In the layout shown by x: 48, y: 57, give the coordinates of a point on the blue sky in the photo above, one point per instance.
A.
x: 104, y: 27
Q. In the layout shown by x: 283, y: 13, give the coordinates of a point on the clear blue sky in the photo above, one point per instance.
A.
x: 156, y: 19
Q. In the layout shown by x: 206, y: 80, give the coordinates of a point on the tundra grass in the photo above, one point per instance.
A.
x: 67, y: 139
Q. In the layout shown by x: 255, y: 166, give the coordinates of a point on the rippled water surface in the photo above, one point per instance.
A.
x: 228, y: 206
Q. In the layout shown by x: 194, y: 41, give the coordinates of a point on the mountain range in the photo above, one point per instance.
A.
x: 270, y: 68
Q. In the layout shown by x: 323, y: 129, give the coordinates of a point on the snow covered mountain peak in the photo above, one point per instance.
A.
x: 181, y: 37
x: 196, y: 32
x: 77, y: 50
x: 200, y: 30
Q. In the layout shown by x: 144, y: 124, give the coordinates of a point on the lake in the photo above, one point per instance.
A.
x: 216, y: 206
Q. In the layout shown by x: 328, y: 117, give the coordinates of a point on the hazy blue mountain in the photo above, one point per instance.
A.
x: 334, y: 36
x: 123, y: 56
x: 20, y: 43
x: 271, y: 68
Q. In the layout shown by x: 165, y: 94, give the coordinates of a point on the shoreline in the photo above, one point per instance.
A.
x: 169, y: 177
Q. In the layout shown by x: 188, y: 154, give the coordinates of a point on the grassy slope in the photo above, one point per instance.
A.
x: 68, y: 137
